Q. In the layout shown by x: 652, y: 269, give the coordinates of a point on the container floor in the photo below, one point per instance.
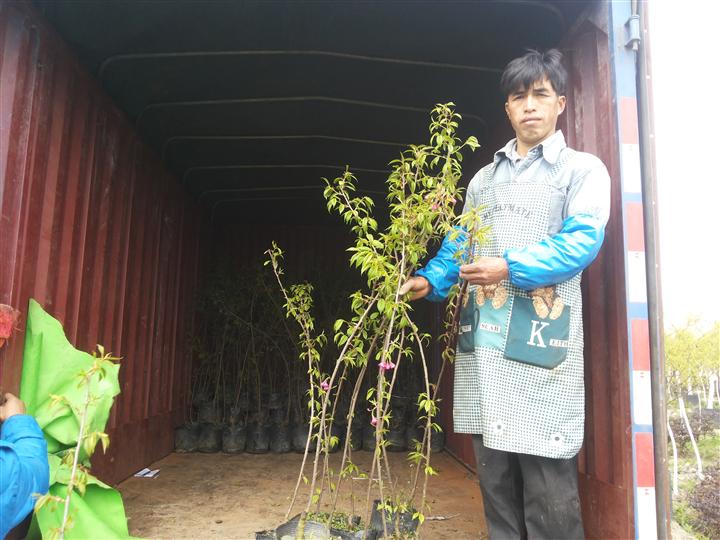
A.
x: 232, y: 496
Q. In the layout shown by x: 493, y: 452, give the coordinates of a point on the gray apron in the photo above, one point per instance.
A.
x: 519, y: 362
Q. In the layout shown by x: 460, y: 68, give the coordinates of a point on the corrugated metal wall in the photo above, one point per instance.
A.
x: 96, y: 231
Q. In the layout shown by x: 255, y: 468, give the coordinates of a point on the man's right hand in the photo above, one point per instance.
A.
x: 11, y: 407
x: 417, y: 286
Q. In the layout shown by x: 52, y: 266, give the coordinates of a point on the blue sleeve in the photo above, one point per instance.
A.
x: 24, y: 468
x: 442, y: 271
x: 559, y: 257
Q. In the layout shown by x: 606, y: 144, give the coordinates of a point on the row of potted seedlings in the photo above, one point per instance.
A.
x: 269, y: 430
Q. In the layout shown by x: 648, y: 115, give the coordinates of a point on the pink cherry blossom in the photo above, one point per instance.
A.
x: 325, y: 385
x: 373, y: 421
x: 384, y: 366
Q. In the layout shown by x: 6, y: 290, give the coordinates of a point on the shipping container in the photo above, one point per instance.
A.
x: 139, y: 141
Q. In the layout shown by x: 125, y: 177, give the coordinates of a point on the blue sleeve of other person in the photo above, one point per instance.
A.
x: 23, y: 469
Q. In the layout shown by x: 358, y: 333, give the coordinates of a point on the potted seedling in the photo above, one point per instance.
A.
x: 380, y: 335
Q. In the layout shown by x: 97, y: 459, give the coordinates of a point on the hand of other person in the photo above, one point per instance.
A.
x: 485, y: 271
x: 417, y: 286
x: 11, y: 407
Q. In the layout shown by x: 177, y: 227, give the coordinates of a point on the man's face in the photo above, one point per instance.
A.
x: 533, y: 112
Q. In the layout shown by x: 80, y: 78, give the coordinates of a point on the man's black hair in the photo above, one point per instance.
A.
x: 534, y: 66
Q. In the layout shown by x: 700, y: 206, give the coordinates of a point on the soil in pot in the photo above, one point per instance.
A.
x: 408, y: 525
x: 211, y: 437
x: 186, y: 437
x: 258, y: 439
x: 342, y: 527
x: 234, y: 439
x: 280, y: 440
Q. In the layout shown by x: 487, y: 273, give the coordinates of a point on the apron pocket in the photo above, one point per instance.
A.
x: 535, y: 339
x: 468, y: 323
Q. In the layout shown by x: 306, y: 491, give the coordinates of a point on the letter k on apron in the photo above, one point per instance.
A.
x: 519, y: 362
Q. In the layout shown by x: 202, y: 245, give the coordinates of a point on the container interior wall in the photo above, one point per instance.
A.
x: 97, y: 232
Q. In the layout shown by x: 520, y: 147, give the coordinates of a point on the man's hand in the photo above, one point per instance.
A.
x: 417, y: 286
x: 11, y: 407
x: 485, y: 271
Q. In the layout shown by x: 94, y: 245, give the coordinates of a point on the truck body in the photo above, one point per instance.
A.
x: 138, y: 140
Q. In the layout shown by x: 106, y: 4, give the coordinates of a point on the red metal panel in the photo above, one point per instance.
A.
x: 94, y: 229
x: 605, y: 460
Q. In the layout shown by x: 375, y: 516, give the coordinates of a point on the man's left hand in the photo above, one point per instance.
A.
x: 485, y: 271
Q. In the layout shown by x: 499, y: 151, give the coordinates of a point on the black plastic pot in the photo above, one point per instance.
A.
x: 208, y: 413
x: 352, y: 535
x: 399, y: 407
x: 299, y: 437
x: 280, y: 440
x: 368, y: 437
x: 186, y: 438
x: 412, y: 434
x: 277, y: 416
x: 356, y: 436
x: 234, y: 416
x: 338, y: 431
x: 437, y: 443
x: 408, y: 525
x: 275, y: 401
x: 313, y: 529
x: 243, y: 403
x: 258, y: 439
x: 234, y: 439
x: 396, y: 439
x: 210, y: 439
x: 356, y: 535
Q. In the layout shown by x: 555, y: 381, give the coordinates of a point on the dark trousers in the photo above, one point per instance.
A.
x: 528, y: 496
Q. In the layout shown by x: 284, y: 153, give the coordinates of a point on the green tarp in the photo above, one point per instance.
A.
x: 51, y: 366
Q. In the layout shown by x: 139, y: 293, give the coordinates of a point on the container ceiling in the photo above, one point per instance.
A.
x: 251, y: 103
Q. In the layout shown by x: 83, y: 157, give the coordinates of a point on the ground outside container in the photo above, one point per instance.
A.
x: 138, y: 138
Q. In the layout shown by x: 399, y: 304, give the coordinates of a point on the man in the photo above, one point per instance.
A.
x: 23, y: 453
x: 519, y: 366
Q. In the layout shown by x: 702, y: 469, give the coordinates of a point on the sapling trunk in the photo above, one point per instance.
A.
x: 76, y: 457
x: 685, y: 418
x: 675, y: 489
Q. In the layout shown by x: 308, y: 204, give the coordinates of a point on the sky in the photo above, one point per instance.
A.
x: 683, y: 44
